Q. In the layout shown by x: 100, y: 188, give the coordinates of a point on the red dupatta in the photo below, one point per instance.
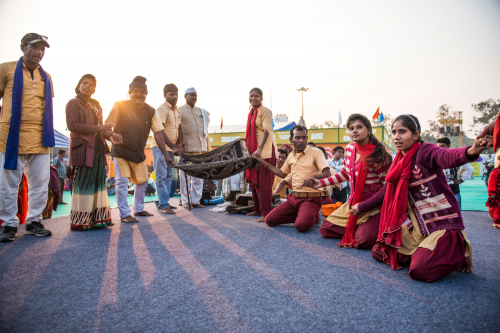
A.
x: 496, y: 133
x: 393, y: 214
x: 251, y: 141
x: 359, y: 184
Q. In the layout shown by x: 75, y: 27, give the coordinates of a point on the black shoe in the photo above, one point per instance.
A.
x: 8, y: 234
x: 37, y: 229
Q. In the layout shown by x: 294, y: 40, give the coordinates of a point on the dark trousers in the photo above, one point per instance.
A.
x: 304, y: 212
x: 427, y: 265
x: 365, y: 235
x: 61, y: 186
x: 340, y: 196
x: 262, y: 195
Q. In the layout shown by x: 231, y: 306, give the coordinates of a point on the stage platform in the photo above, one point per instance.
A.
x: 202, y: 271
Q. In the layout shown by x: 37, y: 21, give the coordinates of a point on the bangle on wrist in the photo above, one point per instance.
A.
x: 265, y: 165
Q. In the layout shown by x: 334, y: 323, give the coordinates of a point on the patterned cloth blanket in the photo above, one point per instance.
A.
x: 223, y: 162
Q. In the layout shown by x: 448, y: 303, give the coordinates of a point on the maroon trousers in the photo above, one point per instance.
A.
x: 262, y: 194
x: 427, y: 265
x: 304, y: 212
x: 365, y: 235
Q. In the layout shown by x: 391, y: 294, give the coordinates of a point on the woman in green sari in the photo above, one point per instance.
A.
x: 88, y: 149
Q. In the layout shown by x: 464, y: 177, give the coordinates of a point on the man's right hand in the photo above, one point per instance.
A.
x: 116, y: 139
x: 259, y: 158
x: 168, y: 160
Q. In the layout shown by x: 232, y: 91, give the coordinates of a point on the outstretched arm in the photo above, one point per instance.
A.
x: 270, y: 167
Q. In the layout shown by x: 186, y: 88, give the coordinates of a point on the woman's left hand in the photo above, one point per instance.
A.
x: 257, y: 152
x: 355, y: 210
x: 476, y: 148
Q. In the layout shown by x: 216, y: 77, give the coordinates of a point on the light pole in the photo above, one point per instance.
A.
x: 302, y: 121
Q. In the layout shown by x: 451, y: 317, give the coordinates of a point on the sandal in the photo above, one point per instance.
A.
x: 143, y: 213
x: 167, y: 210
x: 129, y: 219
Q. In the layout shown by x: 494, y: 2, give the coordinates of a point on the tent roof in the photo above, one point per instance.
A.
x: 61, y: 139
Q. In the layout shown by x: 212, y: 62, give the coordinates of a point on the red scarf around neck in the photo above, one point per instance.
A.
x: 359, y: 184
x: 393, y: 214
x: 251, y: 140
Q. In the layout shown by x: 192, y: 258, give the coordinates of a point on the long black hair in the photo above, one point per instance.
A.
x: 380, y: 158
x: 410, y: 122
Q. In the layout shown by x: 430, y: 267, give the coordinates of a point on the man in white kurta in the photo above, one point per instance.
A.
x: 194, y: 124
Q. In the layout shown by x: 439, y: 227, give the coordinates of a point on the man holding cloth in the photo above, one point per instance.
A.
x: 303, y: 205
x: 170, y: 118
x: 134, y: 119
x: 194, y: 123
x: 26, y: 133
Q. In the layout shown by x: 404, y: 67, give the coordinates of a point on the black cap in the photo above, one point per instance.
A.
x: 33, y: 38
x: 138, y: 82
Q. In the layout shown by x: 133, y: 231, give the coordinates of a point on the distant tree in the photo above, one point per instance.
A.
x: 432, y: 134
x: 488, y: 110
x: 330, y: 124
x: 314, y: 126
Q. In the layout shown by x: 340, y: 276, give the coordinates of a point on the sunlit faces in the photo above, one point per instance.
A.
x: 33, y: 54
x: 402, y: 137
x: 281, y: 160
x: 255, y: 99
x: 138, y: 96
x: 172, y: 97
x: 191, y: 98
x: 358, y: 132
x: 87, y: 87
x: 299, y: 140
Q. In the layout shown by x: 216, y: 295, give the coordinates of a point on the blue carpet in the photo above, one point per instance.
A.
x: 201, y: 271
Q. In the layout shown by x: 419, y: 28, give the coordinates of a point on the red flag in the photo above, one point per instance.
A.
x: 496, y: 133
x: 221, y: 122
x: 377, y: 114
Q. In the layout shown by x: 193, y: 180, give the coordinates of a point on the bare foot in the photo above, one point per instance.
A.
x: 467, y: 268
x: 167, y: 210
x: 262, y: 219
x: 198, y: 206
x: 253, y: 214
x: 187, y: 206
x: 129, y: 219
x: 143, y: 213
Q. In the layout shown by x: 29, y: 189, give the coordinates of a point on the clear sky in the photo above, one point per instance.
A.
x: 404, y: 56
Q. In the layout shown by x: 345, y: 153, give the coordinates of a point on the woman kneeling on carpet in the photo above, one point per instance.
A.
x: 433, y: 240
x: 89, y: 202
x: 365, y: 166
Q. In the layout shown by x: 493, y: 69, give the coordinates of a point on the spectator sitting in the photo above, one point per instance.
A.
x: 151, y: 188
